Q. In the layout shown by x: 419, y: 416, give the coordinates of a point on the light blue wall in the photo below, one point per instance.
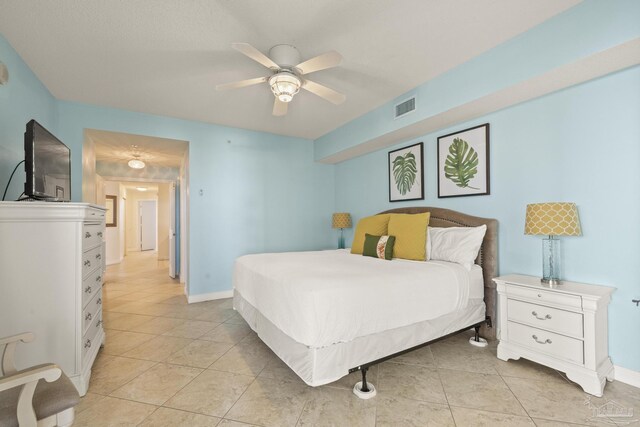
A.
x: 260, y: 192
x: 22, y: 99
x: 589, y: 27
x: 581, y: 145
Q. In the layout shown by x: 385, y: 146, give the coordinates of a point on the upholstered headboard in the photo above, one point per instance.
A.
x: 487, y: 257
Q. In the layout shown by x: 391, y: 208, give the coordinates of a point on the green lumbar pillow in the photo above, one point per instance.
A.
x: 378, y: 246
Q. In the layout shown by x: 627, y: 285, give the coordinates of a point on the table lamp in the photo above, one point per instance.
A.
x: 552, y: 220
x: 341, y: 220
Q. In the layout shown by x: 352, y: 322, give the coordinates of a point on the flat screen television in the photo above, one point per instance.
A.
x: 47, y: 163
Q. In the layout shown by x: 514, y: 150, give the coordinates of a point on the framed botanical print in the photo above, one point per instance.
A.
x: 406, y: 174
x: 463, y: 163
x: 111, y: 217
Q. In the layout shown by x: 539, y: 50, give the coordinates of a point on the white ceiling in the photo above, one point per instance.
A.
x: 166, y: 56
x: 116, y: 147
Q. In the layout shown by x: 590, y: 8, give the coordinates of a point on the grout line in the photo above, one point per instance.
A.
x: 445, y: 396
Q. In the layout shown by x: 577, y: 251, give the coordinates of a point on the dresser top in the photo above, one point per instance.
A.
x: 49, y: 211
x: 565, y: 286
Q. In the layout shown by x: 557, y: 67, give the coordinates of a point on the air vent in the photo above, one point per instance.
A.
x: 405, y: 107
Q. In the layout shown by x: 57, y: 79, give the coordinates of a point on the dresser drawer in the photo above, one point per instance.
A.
x: 92, y: 234
x: 90, y: 338
x: 91, y: 285
x: 92, y: 260
x: 547, y: 318
x: 91, y: 311
x: 558, y: 346
x: 540, y: 296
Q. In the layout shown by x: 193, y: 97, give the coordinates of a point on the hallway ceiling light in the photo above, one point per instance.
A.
x: 136, y: 164
x: 141, y: 188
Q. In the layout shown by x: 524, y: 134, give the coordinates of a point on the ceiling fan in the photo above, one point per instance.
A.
x: 288, y: 72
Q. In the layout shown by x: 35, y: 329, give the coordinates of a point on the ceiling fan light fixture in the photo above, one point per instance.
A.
x: 285, y: 85
x: 136, y: 164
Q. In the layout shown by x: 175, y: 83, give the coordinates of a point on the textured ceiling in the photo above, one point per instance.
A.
x: 116, y: 147
x: 166, y: 56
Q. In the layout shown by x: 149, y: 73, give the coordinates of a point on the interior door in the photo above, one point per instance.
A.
x: 148, y: 224
x: 172, y: 231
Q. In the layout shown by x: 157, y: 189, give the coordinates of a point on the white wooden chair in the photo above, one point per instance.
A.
x: 40, y: 396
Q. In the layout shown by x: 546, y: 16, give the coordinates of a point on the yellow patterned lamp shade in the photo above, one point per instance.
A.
x: 341, y: 220
x: 552, y: 219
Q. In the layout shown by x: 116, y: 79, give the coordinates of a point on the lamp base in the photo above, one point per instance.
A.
x: 552, y: 283
x: 341, y: 240
x: 551, y: 261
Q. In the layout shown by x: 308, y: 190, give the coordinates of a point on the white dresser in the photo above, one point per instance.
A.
x: 564, y: 327
x: 52, y: 262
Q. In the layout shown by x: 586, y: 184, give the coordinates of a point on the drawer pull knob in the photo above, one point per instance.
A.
x: 88, y: 316
x: 547, y: 341
x: 87, y: 344
x: 87, y: 235
x: 99, y: 301
x: 539, y: 295
x: 534, y: 314
x: 87, y: 289
x: 98, y: 278
x: 99, y: 233
x: 98, y: 256
x: 87, y: 263
x: 98, y: 323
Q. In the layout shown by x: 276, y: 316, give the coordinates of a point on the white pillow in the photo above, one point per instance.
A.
x: 455, y: 244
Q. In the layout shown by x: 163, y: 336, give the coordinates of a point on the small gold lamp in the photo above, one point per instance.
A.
x: 552, y: 219
x: 341, y: 220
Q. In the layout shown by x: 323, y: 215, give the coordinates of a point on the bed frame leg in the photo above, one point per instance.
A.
x: 362, y: 389
x: 365, y: 387
x: 476, y: 340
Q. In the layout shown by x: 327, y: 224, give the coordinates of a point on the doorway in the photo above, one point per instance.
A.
x: 148, y: 220
x: 163, y: 177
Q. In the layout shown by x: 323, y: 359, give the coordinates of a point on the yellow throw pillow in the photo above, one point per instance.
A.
x: 410, y: 231
x: 376, y: 225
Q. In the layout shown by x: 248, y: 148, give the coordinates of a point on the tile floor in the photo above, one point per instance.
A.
x: 169, y: 363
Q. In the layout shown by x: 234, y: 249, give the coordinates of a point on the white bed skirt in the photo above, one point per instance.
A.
x: 319, y: 366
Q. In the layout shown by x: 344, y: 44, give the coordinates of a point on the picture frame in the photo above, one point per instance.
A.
x: 406, y: 173
x: 111, y: 216
x: 463, y: 163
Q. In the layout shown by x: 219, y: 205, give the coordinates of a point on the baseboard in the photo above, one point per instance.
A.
x: 114, y: 261
x: 627, y: 376
x: 210, y: 296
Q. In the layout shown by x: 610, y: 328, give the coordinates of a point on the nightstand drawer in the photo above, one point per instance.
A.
x: 545, y: 297
x: 553, y: 344
x: 551, y: 319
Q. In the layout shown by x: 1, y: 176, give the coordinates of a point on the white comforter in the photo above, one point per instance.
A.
x: 325, y: 297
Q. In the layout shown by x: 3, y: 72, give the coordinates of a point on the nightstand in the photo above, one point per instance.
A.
x: 564, y: 327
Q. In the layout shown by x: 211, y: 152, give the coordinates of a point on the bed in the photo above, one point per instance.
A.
x: 329, y: 313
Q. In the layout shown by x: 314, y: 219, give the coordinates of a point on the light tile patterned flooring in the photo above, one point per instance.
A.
x: 169, y: 363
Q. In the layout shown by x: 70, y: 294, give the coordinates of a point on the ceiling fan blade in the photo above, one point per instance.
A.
x: 280, y: 108
x: 241, y: 83
x: 255, y: 54
x: 324, y: 92
x: 320, y: 62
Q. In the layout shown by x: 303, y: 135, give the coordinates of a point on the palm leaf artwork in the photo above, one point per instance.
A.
x: 404, y: 172
x: 461, y: 164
